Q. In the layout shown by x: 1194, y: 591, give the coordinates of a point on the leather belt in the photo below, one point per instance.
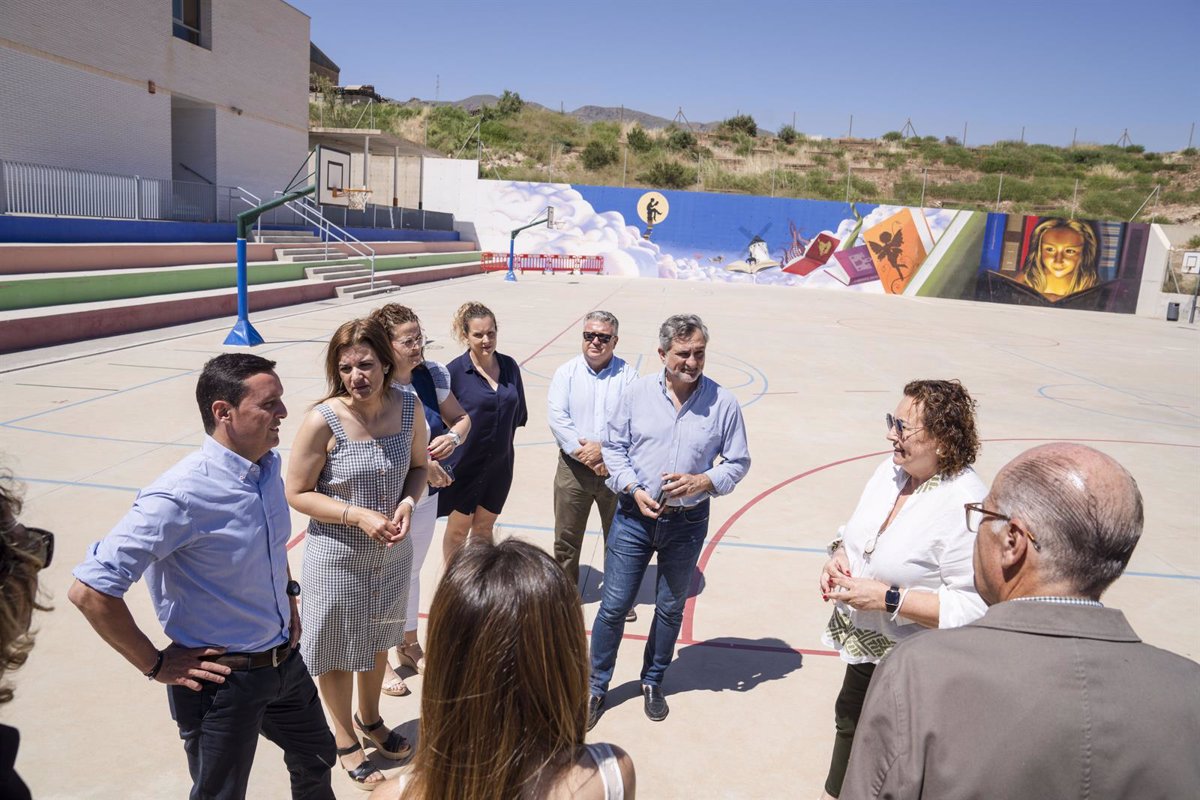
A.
x: 267, y: 658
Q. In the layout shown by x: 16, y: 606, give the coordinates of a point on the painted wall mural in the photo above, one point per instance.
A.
x: 931, y: 252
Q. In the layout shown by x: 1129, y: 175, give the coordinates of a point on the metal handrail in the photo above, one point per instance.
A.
x: 307, y: 209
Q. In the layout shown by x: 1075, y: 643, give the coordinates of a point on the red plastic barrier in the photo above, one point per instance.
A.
x: 546, y: 263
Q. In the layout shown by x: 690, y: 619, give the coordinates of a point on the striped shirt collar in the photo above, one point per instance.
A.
x: 1062, y: 601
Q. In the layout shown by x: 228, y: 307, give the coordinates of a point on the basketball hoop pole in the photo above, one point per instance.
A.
x: 511, y: 276
x: 243, y: 333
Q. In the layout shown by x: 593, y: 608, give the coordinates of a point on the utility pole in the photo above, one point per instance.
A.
x: 437, y: 88
x: 964, y: 134
x: 1192, y: 131
x: 1074, y: 133
x: 1022, y: 134
x: 850, y: 133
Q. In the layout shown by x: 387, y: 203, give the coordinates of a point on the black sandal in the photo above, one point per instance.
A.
x: 394, y: 747
x: 363, y: 771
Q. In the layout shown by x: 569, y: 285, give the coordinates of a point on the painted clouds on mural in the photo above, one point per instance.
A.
x: 578, y: 229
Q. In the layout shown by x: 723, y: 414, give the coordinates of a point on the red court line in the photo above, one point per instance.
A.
x: 689, y: 612
x: 686, y: 632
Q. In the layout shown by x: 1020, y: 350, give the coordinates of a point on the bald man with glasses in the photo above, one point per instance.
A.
x: 1050, y: 693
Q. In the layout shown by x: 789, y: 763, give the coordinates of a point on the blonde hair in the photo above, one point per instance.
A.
x: 472, y: 309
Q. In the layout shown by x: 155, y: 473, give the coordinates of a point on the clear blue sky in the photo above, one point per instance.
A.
x: 1050, y: 66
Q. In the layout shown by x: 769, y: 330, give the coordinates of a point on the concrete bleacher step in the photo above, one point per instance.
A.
x: 298, y: 254
x: 337, y: 272
x: 360, y: 290
x: 23, y: 328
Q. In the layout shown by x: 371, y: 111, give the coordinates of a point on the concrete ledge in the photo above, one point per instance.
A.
x: 18, y: 259
x: 62, y: 327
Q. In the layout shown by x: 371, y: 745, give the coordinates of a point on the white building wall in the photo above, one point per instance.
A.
x: 449, y: 184
x: 75, y: 86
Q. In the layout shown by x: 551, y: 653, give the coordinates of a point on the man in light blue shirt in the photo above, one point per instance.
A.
x: 210, y: 538
x: 661, y: 454
x: 584, y: 394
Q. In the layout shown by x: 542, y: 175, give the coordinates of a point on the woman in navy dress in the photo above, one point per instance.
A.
x: 488, y: 385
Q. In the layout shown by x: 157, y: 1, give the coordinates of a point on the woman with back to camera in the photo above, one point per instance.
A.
x: 448, y: 428
x: 23, y: 552
x: 903, y: 561
x: 503, y: 710
x: 357, y: 469
x: 488, y: 384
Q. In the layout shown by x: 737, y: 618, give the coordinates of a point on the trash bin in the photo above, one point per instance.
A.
x: 1172, y: 312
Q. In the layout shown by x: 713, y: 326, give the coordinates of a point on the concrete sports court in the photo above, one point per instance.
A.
x: 752, y: 687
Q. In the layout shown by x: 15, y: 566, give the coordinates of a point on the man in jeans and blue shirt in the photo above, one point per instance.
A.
x: 210, y: 536
x: 660, y: 452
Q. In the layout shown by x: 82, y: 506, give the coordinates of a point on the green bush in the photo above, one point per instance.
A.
x: 742, y: 123
x: 597, y: 154
x: 669, y: 175
x: 680, y: 138
x: 787, y: 134
x: 893, y: 136
x: 639, y: 140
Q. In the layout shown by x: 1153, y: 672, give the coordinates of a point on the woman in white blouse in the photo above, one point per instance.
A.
x: 903, y: 561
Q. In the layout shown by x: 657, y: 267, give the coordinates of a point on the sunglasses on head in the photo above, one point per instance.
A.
x: 35, y: 542
x: 602, y: 338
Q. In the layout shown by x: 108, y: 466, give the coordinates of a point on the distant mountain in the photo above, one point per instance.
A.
x: 585, y: 113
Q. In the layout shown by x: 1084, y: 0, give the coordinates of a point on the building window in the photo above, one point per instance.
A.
x: 186, y: 19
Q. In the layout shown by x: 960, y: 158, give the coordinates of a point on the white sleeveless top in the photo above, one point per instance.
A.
x: 610, y: 770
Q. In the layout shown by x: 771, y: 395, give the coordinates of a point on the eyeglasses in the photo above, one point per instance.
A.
x: 411, y: 342
x: 976, y: 513
x: 900, y: 425
x: 602, y: 338
x: 35, y: 542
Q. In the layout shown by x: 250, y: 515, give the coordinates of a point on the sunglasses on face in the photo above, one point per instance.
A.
x: 602, y: 338
x: 36, y: 542
x: 900, y: 426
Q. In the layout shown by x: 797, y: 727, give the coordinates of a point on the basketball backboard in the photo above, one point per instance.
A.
x: 333, y: 176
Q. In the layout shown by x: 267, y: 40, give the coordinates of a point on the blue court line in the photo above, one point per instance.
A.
x: 134, y: 388
x: 546, y: 529
x: 1042, y: 391
x: 822, y: 550
x: 81, y: 484
x: 1096, y: 382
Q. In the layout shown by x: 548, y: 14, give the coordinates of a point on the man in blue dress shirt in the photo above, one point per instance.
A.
x: 660, y: 453
x: 210, y: 538
x: 584, y: 394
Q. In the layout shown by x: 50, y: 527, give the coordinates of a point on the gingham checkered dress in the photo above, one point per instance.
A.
x: 355, y: 589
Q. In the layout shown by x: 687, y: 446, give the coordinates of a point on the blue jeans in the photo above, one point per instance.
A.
x: 220, y: 725
x: 677, y: 539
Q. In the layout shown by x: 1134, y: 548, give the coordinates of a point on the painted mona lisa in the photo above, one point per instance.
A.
x: 1062, y: 260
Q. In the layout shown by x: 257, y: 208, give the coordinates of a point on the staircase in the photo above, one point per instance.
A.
x: 352, y: 271
x: 301, y: 246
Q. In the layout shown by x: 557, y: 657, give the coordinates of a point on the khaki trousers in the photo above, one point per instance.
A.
x: 575, y: 489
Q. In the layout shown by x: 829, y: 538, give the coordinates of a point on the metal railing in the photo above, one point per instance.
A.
x: 329, y: 231
x: 45, y: 190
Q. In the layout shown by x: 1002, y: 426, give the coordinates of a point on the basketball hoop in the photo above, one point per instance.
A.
x: 356, y: 199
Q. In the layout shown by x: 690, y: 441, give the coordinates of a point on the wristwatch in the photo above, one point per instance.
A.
x: 633, y: 489
x: 453, y: 434
x: 891, y: 599
x: 293, y: 588
x: 833, y: 546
